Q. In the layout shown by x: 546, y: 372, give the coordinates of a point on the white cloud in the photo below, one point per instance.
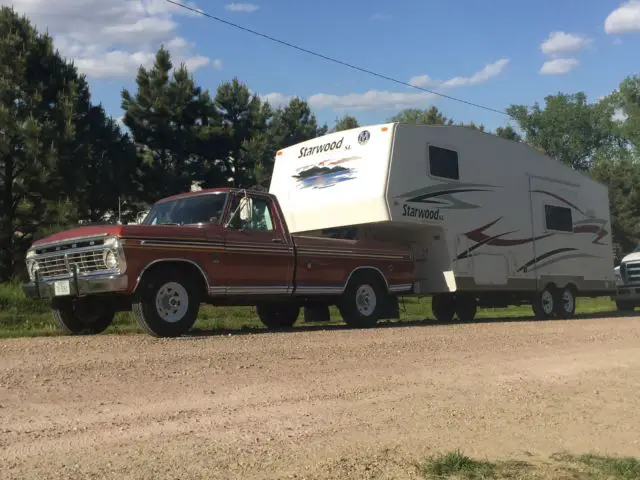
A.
x: 423, y: 81
x: 382, y: 99
x: 489, y: 71
x: 217, y: 64
x: 242, y: 7
x: 111, y: 39
x: 562, y: 42
x: 558, y: 66
x: 380, y: 17
x: 624, y: 19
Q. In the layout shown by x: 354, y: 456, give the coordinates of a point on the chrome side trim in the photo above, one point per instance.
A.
x: 401, y: 287
x: 366, y: 267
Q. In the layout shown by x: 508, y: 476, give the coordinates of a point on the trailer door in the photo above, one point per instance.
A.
x: 554, y: 209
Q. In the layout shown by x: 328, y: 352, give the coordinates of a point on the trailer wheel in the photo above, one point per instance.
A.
x: 543, y: 303
x: 81, y: 316
x: 625, y: 306
x: 565, y: 303
x: 278, y: 316
x: 362, y: 302
x: 443, y: 307
x: 466, y: 307
x: 167, y: 303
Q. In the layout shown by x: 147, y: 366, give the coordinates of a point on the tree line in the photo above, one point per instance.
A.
x: 63, y: 160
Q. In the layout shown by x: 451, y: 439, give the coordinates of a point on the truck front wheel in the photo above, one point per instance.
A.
x: 278, y: 316
x: 362, y: 302
x: 166, y: 303
x: 86, y: 315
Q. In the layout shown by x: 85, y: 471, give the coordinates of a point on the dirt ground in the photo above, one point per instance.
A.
x: 325, y: 403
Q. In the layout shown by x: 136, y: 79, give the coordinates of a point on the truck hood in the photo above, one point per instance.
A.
x: 632, y: 257
x: 88, y: 231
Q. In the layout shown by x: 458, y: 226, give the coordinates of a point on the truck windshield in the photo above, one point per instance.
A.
x: 193, y: 209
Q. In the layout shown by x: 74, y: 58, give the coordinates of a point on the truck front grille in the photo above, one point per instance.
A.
x: 630, y: 272
x: 87, y: 262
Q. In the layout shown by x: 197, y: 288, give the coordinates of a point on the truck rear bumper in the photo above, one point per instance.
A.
x: 627, y: 294
x: 73, y: 287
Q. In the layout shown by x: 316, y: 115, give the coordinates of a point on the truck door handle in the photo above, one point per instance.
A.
x: 276, y: 240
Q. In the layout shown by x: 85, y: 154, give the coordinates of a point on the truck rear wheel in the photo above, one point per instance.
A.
x: 278, y: 316
x: 86, y: 315
x: 362, y: 302
x: 167, y: 303
x: 443, y: 307
x: 466, y: 307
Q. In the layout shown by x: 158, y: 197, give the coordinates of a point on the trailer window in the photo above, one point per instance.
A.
x: 558, y: 218
x: 443, y: 163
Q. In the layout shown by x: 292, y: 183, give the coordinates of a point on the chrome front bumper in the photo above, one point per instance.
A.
x: 75, y: 286
x: 627, y: 293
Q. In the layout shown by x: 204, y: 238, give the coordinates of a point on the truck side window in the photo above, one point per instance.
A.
x: 443, y: 163
x: 558, y: 218
x: 261, y: 216
x: 253, y: 214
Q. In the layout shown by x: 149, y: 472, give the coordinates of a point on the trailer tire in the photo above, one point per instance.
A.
x: 625, y: 306
x: 466, y: 307
x: 81, y: 316
x: 443, y: 307
x: 278, y: 316
x: 362, y: 303
x: 565, y: 302
x: 167, y: 302
x: 543, y: 303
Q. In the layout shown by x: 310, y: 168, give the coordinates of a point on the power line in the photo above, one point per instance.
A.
x: 331, y: 59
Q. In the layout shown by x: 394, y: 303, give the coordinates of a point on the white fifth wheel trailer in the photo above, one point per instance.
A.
x: 491, y: 222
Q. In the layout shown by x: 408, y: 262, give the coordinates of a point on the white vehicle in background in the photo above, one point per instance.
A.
x: 491, y: 222
x: 627, y: 296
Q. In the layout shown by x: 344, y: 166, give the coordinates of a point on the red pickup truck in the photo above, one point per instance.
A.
x: 218, y: 246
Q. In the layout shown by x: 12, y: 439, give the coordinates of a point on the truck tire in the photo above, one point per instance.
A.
x: 565, y: 303
x: 278, y: 316
x: 625, y: 306
x: 81, y: 316
x: 443, y: 307
x: 466, y: 307
x: 543, y: 303
x: 362, y: 302
x: 167, y: 303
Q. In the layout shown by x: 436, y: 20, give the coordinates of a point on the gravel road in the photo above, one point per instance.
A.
x: 326, y: 403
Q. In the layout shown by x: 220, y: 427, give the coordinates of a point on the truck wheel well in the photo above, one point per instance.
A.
x: 184, y: 266
x: 373, y: 271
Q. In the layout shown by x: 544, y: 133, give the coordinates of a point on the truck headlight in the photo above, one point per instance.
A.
x: 32, y: 264
x: 113, y: 256
x: 110, y: 260
x: 618, y: 276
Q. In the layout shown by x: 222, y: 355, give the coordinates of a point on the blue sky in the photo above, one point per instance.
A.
x: 590, y: 44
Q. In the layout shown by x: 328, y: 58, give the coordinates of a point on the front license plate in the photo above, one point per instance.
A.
x: 62, y: 287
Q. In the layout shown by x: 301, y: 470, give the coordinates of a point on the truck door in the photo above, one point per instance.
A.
x: 554, y: 210
x: 258, y: 257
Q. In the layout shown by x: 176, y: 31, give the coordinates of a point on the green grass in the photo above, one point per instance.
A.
x: 456, y: 465
x: 21, y: 316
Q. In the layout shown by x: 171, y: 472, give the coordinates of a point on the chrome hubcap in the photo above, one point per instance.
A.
x: 366, y: 300
x: 172, y: 302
